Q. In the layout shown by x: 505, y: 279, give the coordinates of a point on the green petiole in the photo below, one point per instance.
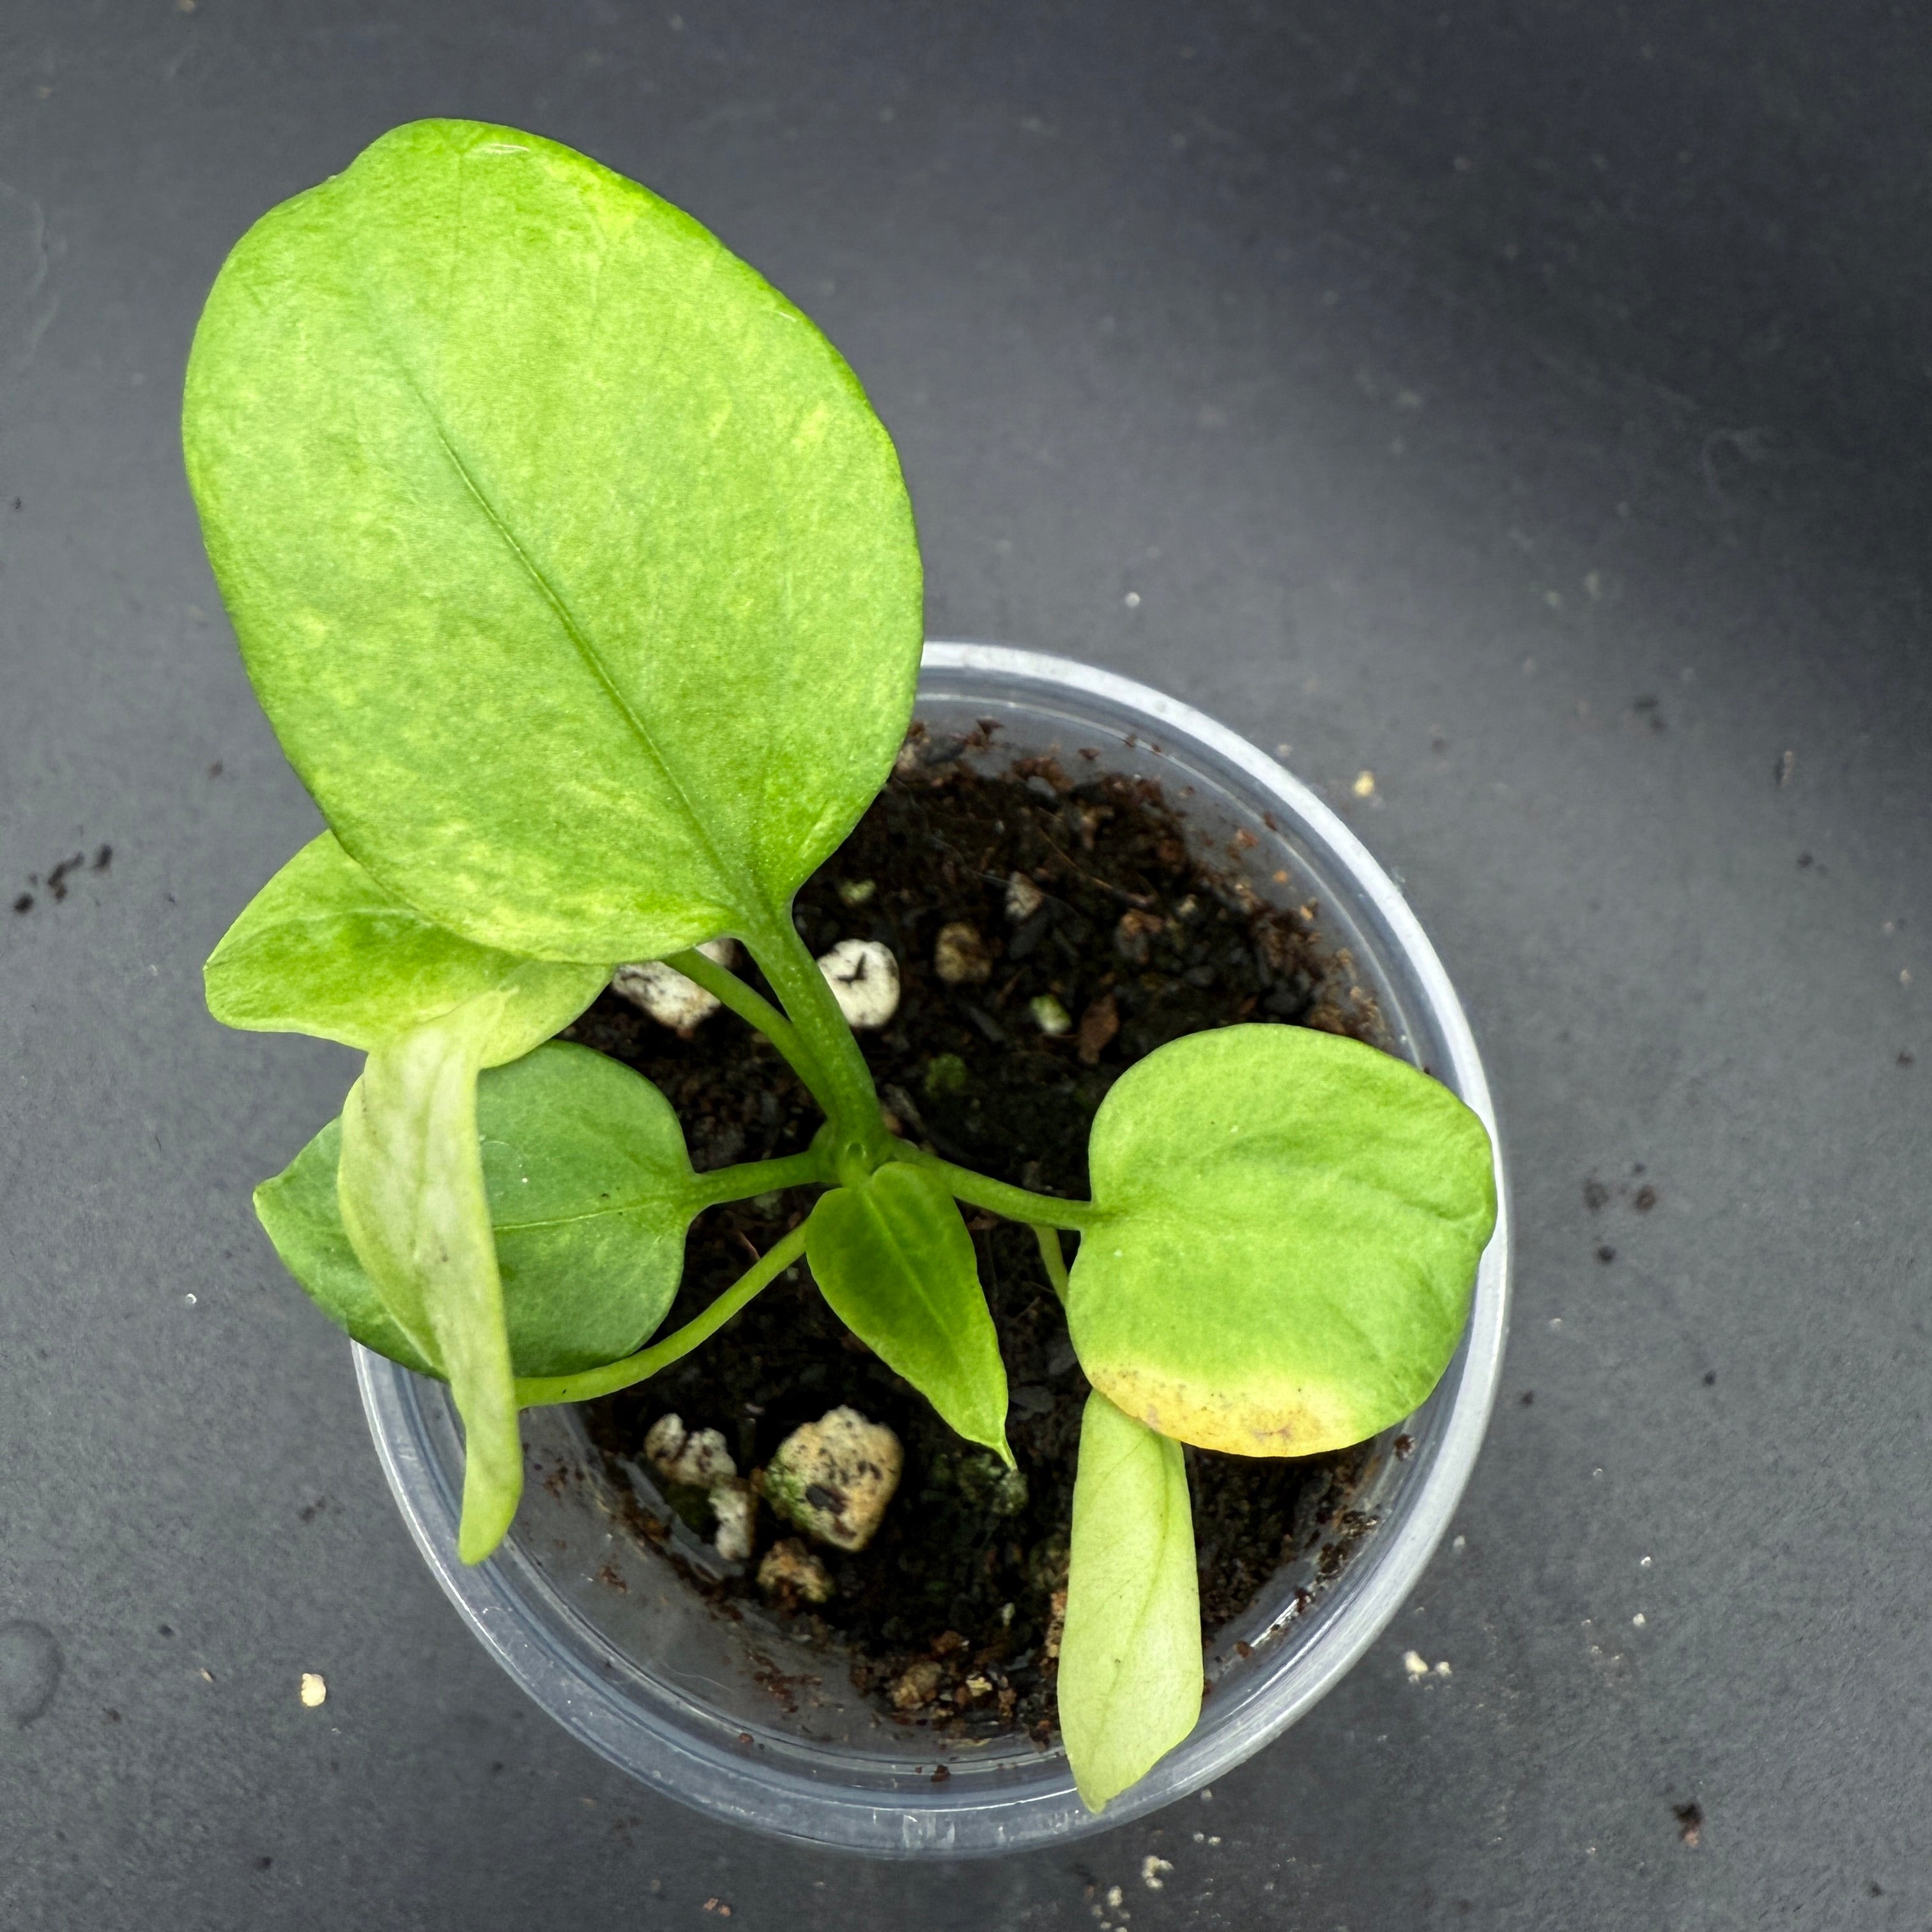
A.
x: 728, y: 990
x: 758, y: 1177
x: 1055, y: 1259
x: 847, y: 1093
x: 1011, y: 1204
x: 539, y: 1391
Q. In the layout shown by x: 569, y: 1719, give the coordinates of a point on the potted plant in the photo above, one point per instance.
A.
x: 578, y: 580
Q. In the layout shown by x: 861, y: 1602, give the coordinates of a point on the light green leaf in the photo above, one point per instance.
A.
x: 299, y: 1210
x: 569, y: 561
x: 323, y: 949
x: 409, y: 1182
x: 590, y: 1192
x: 1130, y: 1685
x: 894, y: 1259
x: 1293, y: 1222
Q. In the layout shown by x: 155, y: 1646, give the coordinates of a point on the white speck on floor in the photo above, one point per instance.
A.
x: 314, y: 1690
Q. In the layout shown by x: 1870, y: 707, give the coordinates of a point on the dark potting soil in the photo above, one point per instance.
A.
x: 951, y: 1615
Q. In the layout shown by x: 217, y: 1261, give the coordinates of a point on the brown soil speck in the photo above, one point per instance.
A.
x: 1690, y: 1823
x: 1098, y: 1025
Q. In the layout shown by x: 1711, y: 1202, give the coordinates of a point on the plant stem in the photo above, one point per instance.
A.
x: 539, y: 1391
x: 759, y: 1177
x: 724, y: 986
x: 849, y: 1096
x: 1011, y: 1204
x: 1052, y: 1254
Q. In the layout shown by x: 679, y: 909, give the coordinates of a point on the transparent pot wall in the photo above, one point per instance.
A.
x: 730, y: 1714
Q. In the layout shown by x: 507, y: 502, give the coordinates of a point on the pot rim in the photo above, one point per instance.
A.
x: 940, y: 1820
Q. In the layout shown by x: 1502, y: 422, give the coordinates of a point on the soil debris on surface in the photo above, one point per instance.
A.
x: 1049, y: 932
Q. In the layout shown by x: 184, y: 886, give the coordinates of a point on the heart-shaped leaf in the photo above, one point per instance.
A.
x: 1293, y: 1222
x: 1129, y: 1684
x: 323, y: 950
x: 894, y: 1259
x: 590, y: 1191
x: 569, y: 561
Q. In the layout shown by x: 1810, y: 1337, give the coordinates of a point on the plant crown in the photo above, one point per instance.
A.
x: 579, y: 582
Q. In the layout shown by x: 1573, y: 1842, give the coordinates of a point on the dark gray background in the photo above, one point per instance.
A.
x: 1528, y: 404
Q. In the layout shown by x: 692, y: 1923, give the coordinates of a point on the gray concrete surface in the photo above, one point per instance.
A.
x: 1530, y: 407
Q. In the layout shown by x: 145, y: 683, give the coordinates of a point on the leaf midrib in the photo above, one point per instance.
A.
x: 580, y: 639
x: 570, y: 1220
x: 888, y: 1234
x: 1151, y: 1586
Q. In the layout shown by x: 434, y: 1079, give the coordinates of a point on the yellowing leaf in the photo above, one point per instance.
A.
x: 410, y: 1185
x: 1293, y: 1222
x: 1129, y: 1686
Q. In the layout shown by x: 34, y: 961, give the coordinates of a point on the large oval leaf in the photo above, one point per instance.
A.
x: 589, y: 1192
x: 568, y: 560
x: 1129, y: 1684
x: 893, y: 1258
x: 1295, y: 1221
x: 323, y: 949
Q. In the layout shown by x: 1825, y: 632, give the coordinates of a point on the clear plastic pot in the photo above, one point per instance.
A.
x: 730, y: 1714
